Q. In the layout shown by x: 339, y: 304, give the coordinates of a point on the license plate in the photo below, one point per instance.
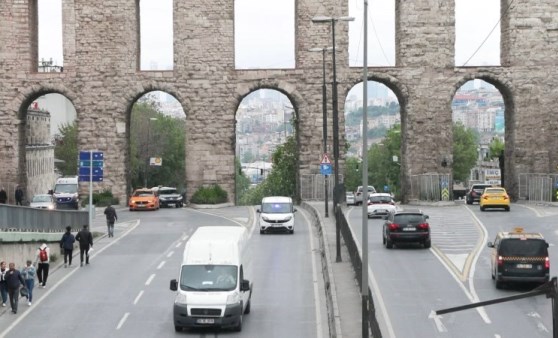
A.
x: 524, y: 266
x: 171, y: 204
x: 205, y: 321
x: 141, y: 206
x: 409, y: 229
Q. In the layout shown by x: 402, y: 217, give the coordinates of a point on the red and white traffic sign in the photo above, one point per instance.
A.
x: 325, y: 159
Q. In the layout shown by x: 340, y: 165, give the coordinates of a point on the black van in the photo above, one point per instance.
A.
x: 519, y: 257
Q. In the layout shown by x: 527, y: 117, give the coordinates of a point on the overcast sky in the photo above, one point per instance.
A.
x: 265, y: 38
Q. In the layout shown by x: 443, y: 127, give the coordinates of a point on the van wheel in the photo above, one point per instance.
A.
x: 238, y: 328
x: 291, y: 231
x: 247, y: 310
x: 262, y: 232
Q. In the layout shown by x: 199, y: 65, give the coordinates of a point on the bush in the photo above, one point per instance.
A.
x: 210, y: 195
x: 101, y: 199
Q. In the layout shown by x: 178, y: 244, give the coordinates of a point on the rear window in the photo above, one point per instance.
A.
x: 380, y: 199
x: 523, y: 248
x: 408, y: 218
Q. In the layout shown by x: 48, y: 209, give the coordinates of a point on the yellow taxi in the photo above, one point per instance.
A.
x: 494, y: 197
x: 143, y: 199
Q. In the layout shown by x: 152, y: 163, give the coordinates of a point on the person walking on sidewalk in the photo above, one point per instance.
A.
x: 29, y: 273
x: 14, y: 281
x: 67, y: 246
x: 111, y: 218
x: 3, y: 284
x: 19, y: 195
x: 85, y: 240
x: 3, y: 196
x: 42, y: 258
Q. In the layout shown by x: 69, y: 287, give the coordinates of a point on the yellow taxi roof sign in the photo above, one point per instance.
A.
x: 518, y: 230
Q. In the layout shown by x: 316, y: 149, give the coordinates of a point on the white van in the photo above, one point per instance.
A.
x: 212, y: 289
x: 276, y: 214
x: 66, y: 193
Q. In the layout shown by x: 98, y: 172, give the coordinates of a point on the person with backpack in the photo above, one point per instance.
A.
x: 67, y: 246
x: 42, y: 258
x: 85, y: 240
x: 111, y: 218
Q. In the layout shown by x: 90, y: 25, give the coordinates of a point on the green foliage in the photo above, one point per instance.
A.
x: 210, y: 195
x: 496, y: 148
x: 101, y: 199
x: 353, y: 174
x: 242, y: 182
x: 382, y: 169
x: 66, y: 150
x: 465, y: 142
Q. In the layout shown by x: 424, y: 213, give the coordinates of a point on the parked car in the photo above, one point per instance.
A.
x: 350, y: 198
x: 143, y: 199
x: 494, y: 197
x: 380, y: 204
x: 359, y: 193
x: 43, y: 201
x: 406, y: 226
x: 475, y: 191
x: 517, y: 256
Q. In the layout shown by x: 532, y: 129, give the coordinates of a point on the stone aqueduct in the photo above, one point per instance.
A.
x: 102, y: 80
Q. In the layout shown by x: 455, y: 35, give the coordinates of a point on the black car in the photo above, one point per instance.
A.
x: 475, y: 191
x: 519, y: 257
x: 169, y: 197
x: 406, y: 226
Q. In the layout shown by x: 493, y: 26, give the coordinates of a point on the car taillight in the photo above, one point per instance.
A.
x: 423, y: 226
x: 393, y: 226
x: 506, y: 197
x: 485, y: 197
x: 546, y: 263
x: 473, y: 193
x: 500, y: 261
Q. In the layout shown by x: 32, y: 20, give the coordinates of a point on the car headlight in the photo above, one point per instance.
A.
x: 179, y: 198
x: 180, y: 298
x: 265, y: 218
x: 50, y: 207
x: 233, y: 298
x: 288, y: 218
x: 163, y: 198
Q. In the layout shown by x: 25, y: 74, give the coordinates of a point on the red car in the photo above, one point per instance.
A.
x: 143, y: 199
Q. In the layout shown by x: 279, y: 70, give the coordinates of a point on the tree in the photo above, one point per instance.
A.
x: 496, y: 148
x: 353, y: 174
x: 465, y: 142
x: 66, y: 150
x: 382, y: 169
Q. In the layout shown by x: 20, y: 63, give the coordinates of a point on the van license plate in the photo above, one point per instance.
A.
x: 206, y: 321
x: 524, y: 266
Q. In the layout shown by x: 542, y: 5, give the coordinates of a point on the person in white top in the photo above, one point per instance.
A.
x: 42, y: 258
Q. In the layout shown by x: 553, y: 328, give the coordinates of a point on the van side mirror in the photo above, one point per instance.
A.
x: 490, y: 244
x: 245, y: 285
x: 174, y: 285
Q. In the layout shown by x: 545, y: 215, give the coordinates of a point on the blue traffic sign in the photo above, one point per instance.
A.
x: 86, y: 155
x: 86, y: 178
x: 86, y: 171
x: 326, y: 169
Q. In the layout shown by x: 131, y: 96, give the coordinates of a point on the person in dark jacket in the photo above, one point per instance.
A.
x: 14, y: 281
x: 19, y: 195
x: 110, y: 213
x: 67, y: 246
x: 85, y: 240
x: 3, y: 196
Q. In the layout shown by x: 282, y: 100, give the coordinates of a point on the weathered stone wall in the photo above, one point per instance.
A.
x: 102, y: 80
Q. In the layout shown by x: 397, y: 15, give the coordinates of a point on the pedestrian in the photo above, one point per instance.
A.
x: 3, y: 285
x: 42, y: 258
x: 67, y: 246
x: 29, y: 273
x: 111, y: 218
x: 19, y: 195
x: 85, y: 240
x: 3, y: 196
x: 14, y: 280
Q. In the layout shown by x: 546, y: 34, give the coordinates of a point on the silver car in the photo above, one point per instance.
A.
x: 350, y: 198
x: 43, y: 201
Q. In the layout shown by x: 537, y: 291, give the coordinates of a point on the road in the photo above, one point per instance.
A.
x: 409, y: 283
x: 124, y: 292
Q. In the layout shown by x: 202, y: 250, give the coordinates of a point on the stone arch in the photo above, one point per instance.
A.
x: 506, y: 89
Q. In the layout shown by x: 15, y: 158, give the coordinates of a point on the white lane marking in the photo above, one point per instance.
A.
x: 170, y: 254
x: 314, y: 252
x: 377, y: 292
x: 184, y: 237
x: 56, y: 285
x: 138, y: 297
x: 121, y: 322
x: 178, y: 245
x: 150, y: 279
x: 161, y: 265
x: 438, y: 321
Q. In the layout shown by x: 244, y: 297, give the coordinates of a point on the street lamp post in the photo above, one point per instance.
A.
x: 324, y: 113
x: 332, y: 20
x: 147, y: 148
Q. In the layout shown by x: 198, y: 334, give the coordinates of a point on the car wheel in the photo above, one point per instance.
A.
x: 427, y: 244
x: 498, y: 284
x: 131, y: 209
x: 383, y: 240
x: 262, y: 232
x: 291, y: 231
x: 469, y: 201
x: 389, y: 243
x: 507, y: 208
x: 178, y: 328
x: 481, y: 208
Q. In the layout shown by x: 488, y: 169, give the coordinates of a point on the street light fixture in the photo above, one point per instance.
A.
x: 147, y: 148
x: 332, y: 21
x: 324, y: 112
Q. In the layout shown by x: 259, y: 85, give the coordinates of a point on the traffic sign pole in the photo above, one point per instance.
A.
x: 91, y: 189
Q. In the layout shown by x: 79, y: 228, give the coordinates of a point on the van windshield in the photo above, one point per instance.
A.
x: 523, y: 248
x: 208, y: 277
x: 66, y: 188
x: 276, y: 208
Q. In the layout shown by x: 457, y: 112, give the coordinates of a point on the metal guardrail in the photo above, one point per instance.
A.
x: 312, y: 187
x: 431, y: 187
x: 538, y: 187
x: 18, y: 218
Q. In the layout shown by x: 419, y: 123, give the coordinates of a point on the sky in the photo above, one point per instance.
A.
x: 265, y: 33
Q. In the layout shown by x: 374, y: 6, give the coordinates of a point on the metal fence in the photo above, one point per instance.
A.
x: 312, y: 187
x: 17, y: 218
x: 538, y: 187
x: 431, y: 187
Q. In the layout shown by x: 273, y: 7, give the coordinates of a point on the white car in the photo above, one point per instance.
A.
x: 350, y: 198
x: 43, y: 201
x: 359, y: 193
x: 380, y: 204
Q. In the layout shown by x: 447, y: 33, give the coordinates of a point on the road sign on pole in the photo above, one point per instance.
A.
x: 325, y: 159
